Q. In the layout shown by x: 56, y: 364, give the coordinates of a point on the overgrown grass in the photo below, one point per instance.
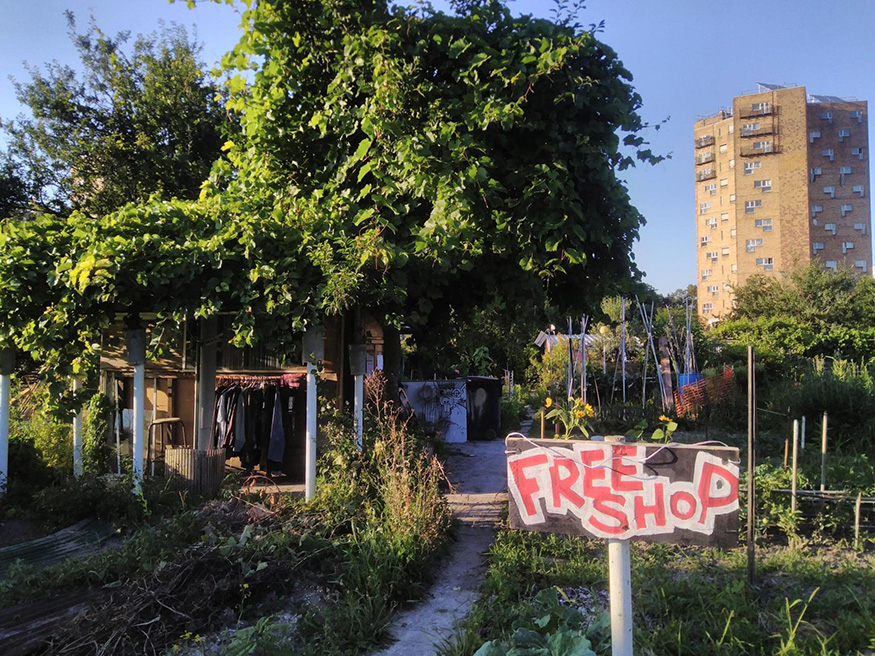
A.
x: 364, y: 547
x: 688, y: 601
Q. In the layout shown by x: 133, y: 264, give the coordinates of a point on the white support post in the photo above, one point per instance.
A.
x: 313, y: 354
x: 7, y: 364
x: 358, y: 409
x: 77, y: 434
x: 136, y: 344
x: 205, y: 385
x: 358, y: 367
x: 620, y: 580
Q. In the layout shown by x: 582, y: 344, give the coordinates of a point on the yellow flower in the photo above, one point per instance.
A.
x: 579, y: 414
x: 548, y: 402
x: 590, y: 411
x: 664, y: 418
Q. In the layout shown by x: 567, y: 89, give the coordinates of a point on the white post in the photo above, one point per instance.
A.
x: 823, y: 455
x: 313, y: 353
x: 802, y: 435
x: 620, y: 579
x: 205, y: 385
x: 77, y: 435
x: 7, y: 364
x: 136, y: 343
x: 357, y: 367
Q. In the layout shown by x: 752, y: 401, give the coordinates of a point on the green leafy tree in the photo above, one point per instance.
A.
x: 435, y: 163
x: 812, y: 311
x: 136, y: 121
x: 419, y: 164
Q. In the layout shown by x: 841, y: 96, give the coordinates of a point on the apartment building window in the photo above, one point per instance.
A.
x: 831, y: 264
x: 725, y: 250
x: 765, y: 224
x: 712, y: 255
x: 750, y: 167
x: 826, y: 116
x: 830, y: 191
x: 857, y: 152
x: 860, y: 264
x: 727, y: 287
x: 847, y: 208
x: 844, y: 134
x: 704, y: 207
x: 714, y: 289
x: 731, y: 198
x: 761, y: 107
x: 762, y: 185
x: 812, y: 135
x: 724, y: 182
x: 750, y: 206
x: 847, y: 246
x: 749, y: 128
x: 817, y: 247
x: 859, y: 189
x: 722, y: 149
x: 830, y: 227
x: 732, y: 163
x: 843, y: 171
x: 707, y: 273
x: 724, y: 216
x: 752, y: 244
x: 816, y: 171
x: 828, y: 152
x: 857, y: 114
x: 733, y: 233
x: 711, y: 222
x: 860, y: 227
x: 707, y: 307
x: 815, y: 210
x: 763, y: 146
x: 705, y: 240
x: 733, y: 268
x: 767, y: 263
x: 711, y: 188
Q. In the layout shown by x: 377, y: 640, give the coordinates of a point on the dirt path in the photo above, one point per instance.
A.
x: 477, y: 470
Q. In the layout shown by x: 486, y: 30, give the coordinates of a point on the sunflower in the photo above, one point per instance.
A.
x: 664, y: 418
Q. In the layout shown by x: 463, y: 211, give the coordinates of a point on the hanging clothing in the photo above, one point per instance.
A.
x: 277, y: 445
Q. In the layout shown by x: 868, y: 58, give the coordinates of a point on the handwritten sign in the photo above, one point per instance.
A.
x: 663, y: 493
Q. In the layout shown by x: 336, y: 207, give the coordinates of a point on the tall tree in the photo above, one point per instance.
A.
x: 136, y: 121
x: 434, y: 162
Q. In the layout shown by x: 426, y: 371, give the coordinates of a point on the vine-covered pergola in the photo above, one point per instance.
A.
x: 403, y: 160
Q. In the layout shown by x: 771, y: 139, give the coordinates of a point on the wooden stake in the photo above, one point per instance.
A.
x: 794, y: 465
x: 857, y: 520
x: 751, y: 465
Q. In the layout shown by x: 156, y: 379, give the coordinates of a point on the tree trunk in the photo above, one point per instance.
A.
x: 391, y: 361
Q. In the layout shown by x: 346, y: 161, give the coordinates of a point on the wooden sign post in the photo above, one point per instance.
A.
x: 622, y: 491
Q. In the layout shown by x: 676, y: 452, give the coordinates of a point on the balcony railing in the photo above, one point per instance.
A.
x: 768, y: 129
x: 753, y: 113
x: 750, y: 151
x: 707, y: 140
x: 704, y: 158
x: 705, y: 174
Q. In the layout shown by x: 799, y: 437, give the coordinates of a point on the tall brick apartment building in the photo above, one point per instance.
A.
x: 781, y: 179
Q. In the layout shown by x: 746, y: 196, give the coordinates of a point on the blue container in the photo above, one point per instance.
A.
x: 688, y: 379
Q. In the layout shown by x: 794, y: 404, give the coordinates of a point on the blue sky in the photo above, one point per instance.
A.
x: 688, y: 59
